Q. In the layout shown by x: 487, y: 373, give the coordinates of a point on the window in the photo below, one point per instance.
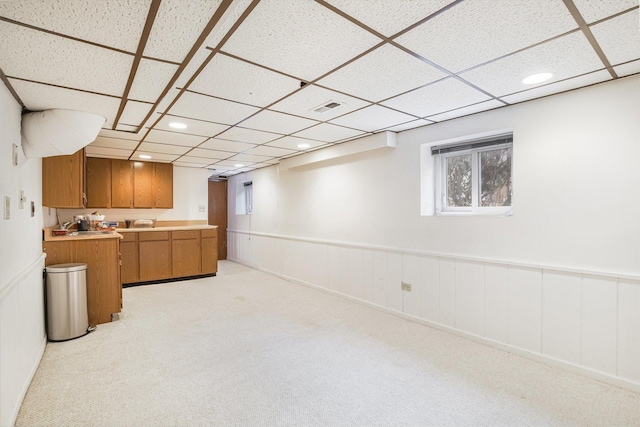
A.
x: 248, y: 196
x: 244, y: 198
x: 474, y: 176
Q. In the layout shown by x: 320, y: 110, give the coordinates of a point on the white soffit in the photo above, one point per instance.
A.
x: 117, y: 24
x: 263, y: 150
x: 272, y: 121
x: 194, y: 127
x: 619, y: 37
x: 395, y: 72
x: 465, y: 111
x: 474, y: 32
x: 328, y: 133
x: 627, y: 69
x: 151, y: 79
x: 155, y: 157
x: 211, y: 109
x: 175, y: 138
x: 152, y: 147
x: 230, y: 146
x: 68, y: 63
x: 122, y: 144
x: 303, y: 103
x: 594, y: 10
x: 292, y: 143
x: 37, y: 97
x: 177, y: 26
x: 388, y: 17
x: 301, y: 38
x: 247, y: 135
x: 505, y: 76
x: 134, y: 113
x: 210, y: 154
x: 240, y: 81
x: 373, y: 118
x: 108, y: 152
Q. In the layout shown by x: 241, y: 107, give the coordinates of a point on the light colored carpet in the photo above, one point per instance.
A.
x: 247, y: 348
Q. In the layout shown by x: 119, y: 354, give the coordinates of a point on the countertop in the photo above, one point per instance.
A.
x: 48, y: 236
x: 169, y: 228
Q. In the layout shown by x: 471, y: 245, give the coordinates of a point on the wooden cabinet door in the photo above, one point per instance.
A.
x: 143, y: 185
x: 155, y: 260
x: 164, y: 185
x: 129, y: 257
x: 185, y: 257
x: 209, y: 255
x: 63, y: 181
x: 121, y: 183
x: 98, y: 182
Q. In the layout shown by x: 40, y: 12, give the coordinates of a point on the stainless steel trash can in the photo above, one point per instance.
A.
x: 67, y: 316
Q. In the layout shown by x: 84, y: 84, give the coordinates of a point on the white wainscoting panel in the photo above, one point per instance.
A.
x: 561, y: 302
x: 430, y: 288
x: 447, y: 292
x: 629, y: 329
x: 525, y: 308
x: 394, y: 279
x: 411, y: 275
x: 368, y: 275
x: 496, y: 302
x: 470, y: 297
x: 338, y: 269
x: 380, y: 278
x: 599, y: 323
x: 356, y: 273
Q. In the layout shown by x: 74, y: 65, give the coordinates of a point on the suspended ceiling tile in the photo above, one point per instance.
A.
x: 230, y: 146
x: 619, y: 37
x: 126, y: 128
x: 474, y: 32
x: 196, y: 160
x: 271, y: 121
x: 134, y: 113
x: 37, y: 97
x: 395, y: 72
x: 194, y: 127
x: 303, y: 102
x: 211, y: 109
x: 108, y: 152
x: 174, y: 138
x: 155, y: 157
x: 165, y: 102
x: 188, y: 165
x: 229, y: 163
x: 292, y: 143
x: 465, y: 111
x: 233, y: 13
x: 563, y: 86
x: 209, y: 154
x: 123, y: 144
x: 42, y: 57
x: 219, y: 168
x: 410, y: 125
x: 246, y: 169
x: 328, y: 133
x: 247, y: 135
x: 236, y: 80
x: 249, y: 158
x: 373, y: 118
x: 263, y: 150
x: 151, y: 79
x: 117, y: 24
x: 389, y: 17
x: 593, y: 11
x: 268, y: 163
x: 301, y: 38
x: 109, y: 133
x: 505, y: 76
x: 152, y: 147
x: 627, y: 69
x: 177, y: 26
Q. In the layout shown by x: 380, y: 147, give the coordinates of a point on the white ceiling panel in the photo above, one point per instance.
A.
x: 301, y: 38
x: 188, y: 165
x: 399, y: 71
x: 263, y: 150
x: 38, y: 97
x: 411, y: 125
x: 328, y: 133
x: 174, y: 138
x: 594, y: 10
x: 476, y: 31
x: 134, y: 113
x: 109, y: 133
x: 436, y: 98
x: 373, y: 118
x: 211, y: 109
x: 196, y: 160
x: 303, y: 102
x: 619, y: 37
x: 627, y: 69
x: 236, y: 80
x: 177, y: 26
x: 155, y: 157
x: 292, y: 143
x: 271, y: 121
x: 209, y: 154
x: 194, y: 127
x: 117, y: 23
x: 152, y: 147
x: 230, y: 163
x: 126, y: 128
x: 248, y: 135
x: 505, y: 76
x: 151, y: 79
x: 389, y: 17
x: 49, y: 59
x: 108, y: 152
x: 167, y: 100
x: 589, y: 79
x: 223, y: 145
x: 123, y: 144
x: 465, y: 111
x: 248, y: 158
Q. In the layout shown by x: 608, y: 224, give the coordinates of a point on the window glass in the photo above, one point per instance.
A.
x: 459, y: 180
x: 495, y: 177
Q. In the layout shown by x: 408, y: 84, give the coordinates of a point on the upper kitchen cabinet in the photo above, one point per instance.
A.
x: 63, y: 181
x: 164, y: 185
x: 144, y: 185
x: 121, y: 183
x: 98, y: 182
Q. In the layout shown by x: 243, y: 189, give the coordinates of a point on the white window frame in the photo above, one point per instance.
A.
x: 244, y: 198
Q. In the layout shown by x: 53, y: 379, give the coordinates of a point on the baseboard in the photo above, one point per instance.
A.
x: 541, y: 358
x: 26, y: 385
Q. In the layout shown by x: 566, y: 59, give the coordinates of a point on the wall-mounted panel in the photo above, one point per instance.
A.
x: 356, y: 273
x: 380, y: 278
x: 411, y: 275
x: 394, y: 278
x: 561, y: 311
x: 525, y: 308
x: 496, y: 302
x: 629, y: 329
x: 430, y: 288
x: 599, y: 323
x: 447, y: 292
x: 470, y: 297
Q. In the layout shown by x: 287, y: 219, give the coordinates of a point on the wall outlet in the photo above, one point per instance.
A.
x: 22, y: 200
x: 7, y: 207
x: 405, y: 286
x: 33, y: 209
x: 201, y: 208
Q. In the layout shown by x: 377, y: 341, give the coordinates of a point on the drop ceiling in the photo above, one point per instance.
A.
x: 246, y: 77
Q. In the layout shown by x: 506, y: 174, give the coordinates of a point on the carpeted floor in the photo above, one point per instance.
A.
x: 246, y: 348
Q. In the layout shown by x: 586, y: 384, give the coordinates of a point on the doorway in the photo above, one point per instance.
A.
x: 218, y: 213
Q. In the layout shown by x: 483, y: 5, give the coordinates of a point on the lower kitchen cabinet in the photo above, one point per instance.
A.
x: 209, y: 247
x: 129, y: 267
x: 154, y: 251
x: 185, y: 253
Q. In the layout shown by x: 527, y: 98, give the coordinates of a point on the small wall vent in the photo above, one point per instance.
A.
x: 330, y: 105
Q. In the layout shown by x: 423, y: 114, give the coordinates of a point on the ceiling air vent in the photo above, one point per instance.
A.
x: 330, y: 105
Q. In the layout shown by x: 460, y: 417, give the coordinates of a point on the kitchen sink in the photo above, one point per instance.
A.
x: 89, y: 233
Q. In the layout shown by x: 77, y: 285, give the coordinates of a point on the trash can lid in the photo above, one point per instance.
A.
x: 66, y: 268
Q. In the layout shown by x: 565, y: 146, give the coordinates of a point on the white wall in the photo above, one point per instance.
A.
x: 190, y: 191
x: 22, y: 335
x: 559, y: 279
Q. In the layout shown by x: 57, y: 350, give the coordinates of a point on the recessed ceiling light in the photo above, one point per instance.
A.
x: 177, y: 125
x: 144, y: 156
x: 238, y: 165
x: 304, y: 146
x: 537, y: 78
